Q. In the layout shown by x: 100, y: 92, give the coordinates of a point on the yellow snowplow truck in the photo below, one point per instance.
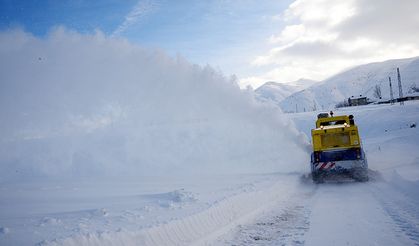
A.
x: 337, y: 149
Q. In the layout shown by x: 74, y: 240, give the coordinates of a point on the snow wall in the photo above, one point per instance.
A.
x: 87, y: 105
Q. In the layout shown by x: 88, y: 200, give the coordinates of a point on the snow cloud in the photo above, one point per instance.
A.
x: 323, y: 37
x: 89, y: 105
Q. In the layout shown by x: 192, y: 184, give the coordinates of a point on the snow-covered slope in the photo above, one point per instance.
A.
x: 357, y: 81
x: 302, y: 84
x: 276, y: 92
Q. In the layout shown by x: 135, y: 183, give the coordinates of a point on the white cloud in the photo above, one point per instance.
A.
x: 140, y: 10
x: 323, y: 12
x: 322, y: 37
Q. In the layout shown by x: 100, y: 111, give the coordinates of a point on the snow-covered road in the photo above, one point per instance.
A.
x: 284, y: 224
x: 383, y: 211
x: 337, y: 213
x: 359, y: 214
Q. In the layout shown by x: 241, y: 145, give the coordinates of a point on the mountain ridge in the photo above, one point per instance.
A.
x: 353, y: 82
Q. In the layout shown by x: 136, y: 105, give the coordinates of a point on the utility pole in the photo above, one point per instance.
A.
x: 400, y: 87
x: 391, y: 91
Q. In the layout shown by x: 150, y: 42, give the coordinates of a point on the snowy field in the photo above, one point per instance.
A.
x: 233, y: 209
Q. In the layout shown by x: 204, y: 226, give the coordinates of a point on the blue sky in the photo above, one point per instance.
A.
x: 280, y: 40
x: 38, y: 17
x: 224, y: 34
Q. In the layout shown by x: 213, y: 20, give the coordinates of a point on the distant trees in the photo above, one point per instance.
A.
x: 314, y: 106
x: 413, y: 88
x: 342, y: 104
x: 377, y: 92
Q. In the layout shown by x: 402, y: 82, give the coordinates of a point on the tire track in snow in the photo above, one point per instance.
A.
x: 285, y: 226
x: 401, y: 208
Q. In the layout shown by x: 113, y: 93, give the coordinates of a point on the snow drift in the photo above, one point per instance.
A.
x: 76, y: 105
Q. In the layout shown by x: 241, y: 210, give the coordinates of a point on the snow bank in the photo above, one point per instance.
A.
x: 198, y: 229
x: 173, y: 199
x: 76, y: 105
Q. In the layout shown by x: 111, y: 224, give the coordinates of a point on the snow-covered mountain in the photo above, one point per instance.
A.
x: 302, y: 84
x: 357, y: 81
x: 274, y: 91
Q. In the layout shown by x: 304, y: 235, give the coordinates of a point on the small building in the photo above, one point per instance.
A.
x: 357, y: 101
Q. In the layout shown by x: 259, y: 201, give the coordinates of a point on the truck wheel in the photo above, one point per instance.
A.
x: 360, y: 175
x: 317, y: 178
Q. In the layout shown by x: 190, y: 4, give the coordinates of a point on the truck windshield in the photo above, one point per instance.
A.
x: 331, y: 123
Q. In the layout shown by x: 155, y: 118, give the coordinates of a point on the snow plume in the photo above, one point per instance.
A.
x: 77, y: 105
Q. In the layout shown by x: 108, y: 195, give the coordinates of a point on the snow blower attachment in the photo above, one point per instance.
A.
x: 337, y: 149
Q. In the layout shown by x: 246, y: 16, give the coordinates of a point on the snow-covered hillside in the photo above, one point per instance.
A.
x: 357, y: 81
x: 276, y: 92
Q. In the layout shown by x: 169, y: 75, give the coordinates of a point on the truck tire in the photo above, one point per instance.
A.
x: 318, y: 178
x: 360, y: 175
